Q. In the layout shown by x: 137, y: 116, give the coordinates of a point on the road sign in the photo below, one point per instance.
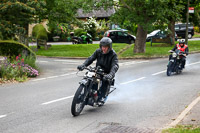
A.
x: 191, y: 9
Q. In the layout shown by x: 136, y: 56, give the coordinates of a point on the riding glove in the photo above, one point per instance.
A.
x: 81, y: 67
x: 108, y: 77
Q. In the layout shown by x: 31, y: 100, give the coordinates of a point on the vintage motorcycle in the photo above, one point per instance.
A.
x: 89, y: 90
x: 174, y: 64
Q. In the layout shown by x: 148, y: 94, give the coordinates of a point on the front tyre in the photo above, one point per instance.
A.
x: 78, y: 102
x: 169, y: 68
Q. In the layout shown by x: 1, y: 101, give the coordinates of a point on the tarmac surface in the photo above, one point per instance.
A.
x: 190, y: 116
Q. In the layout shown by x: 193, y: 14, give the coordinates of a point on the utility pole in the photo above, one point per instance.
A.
x: 187, y: 20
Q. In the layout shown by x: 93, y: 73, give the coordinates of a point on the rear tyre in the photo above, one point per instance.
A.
x: 169, y: 69
x: 78, y: 102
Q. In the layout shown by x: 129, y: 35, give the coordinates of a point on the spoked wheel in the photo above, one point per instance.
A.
x: 169, y: 69
x: 178, y: 71
x: 78, y: 102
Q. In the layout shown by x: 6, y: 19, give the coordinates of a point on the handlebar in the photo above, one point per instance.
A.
x: 180, y: 53
x: 98, y: 70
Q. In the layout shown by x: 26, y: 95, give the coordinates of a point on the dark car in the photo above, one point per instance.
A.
x: 120, y: 36
x: 180, y: 30
x: 158, y: 34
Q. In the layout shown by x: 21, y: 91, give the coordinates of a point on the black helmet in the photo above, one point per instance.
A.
x: 106, y: 41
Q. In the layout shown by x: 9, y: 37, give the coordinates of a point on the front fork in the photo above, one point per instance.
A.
x: 88, y: 85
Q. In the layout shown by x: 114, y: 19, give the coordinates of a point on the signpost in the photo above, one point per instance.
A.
x: 191, y: 9
x: 187, y: 20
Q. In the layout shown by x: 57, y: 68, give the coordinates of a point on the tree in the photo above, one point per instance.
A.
x: 174, y: 9
x: 193, y: 17
x: 144, y: 13
x: 16, y: 15
x: 61, y: 11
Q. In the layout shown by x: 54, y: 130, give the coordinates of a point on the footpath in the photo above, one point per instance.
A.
x: 193, y: 116
x: 189, y: 118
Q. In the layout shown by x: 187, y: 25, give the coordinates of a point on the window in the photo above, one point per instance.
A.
x: 176, y: 27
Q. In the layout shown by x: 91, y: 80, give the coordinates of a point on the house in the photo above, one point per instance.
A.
x: 98, y: 14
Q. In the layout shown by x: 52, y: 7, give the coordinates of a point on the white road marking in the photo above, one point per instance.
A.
x: 42, y: 61
x: 2, y: 116
x: 57, y: 100
x: 184, y: 113
x: 51, y: 77
x: 67, y: 61
x: 159, y: 72
x: 67, y: 74
x: 132, y: 81
x: 132, y: 62
x: 193, y: 63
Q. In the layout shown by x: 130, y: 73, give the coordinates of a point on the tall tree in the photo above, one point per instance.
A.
x: 16, y: 15
x: 144, y: 13
x: 61, y: 11
x: 174, y: 9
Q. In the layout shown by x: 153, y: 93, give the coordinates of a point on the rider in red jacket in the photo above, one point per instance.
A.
x: 184, y: 48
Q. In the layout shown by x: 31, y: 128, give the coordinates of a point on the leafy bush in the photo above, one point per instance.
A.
x: 62, y: 30
x: 79, y: 32
x: 39, y: 32
x: 90, y: 26
x: 197, y: 29
x: 11, y: 48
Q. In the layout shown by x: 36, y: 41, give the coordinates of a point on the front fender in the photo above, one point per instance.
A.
x: 84, y: 82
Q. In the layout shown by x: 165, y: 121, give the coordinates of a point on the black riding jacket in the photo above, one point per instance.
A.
x: 108, y: 62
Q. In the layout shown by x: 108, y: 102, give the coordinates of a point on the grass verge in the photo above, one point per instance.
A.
x: 158, y: 50
x: 183, y: 129
x: 86, y: 50
x: 78, y: 50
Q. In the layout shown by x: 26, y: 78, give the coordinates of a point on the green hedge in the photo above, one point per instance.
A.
x: 39, y: 32
x: 10, y: 48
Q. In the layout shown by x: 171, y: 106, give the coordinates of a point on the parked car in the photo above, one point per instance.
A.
x: 180, y: 30
x: 120, y: 36
x: 158, y: 34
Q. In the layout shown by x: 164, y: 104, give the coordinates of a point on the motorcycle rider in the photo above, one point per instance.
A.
x: 184, y: 48
x: 107, y: 60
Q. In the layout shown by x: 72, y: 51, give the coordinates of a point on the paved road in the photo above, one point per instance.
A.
x: 145, y: 100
